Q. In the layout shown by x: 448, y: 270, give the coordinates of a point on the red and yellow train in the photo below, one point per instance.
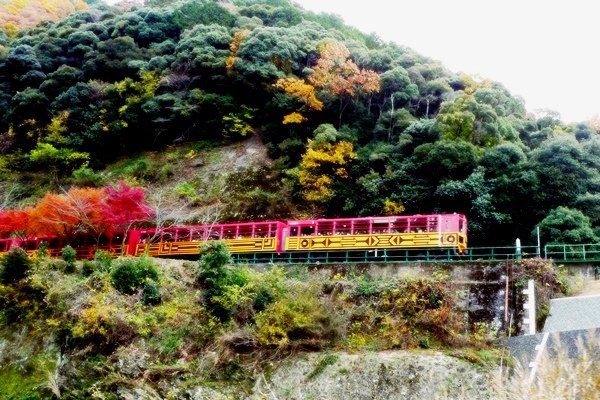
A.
x: 433, y: 231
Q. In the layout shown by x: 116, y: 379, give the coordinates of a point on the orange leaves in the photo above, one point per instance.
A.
x: 337, y: 74
x: 68, y: 214
x: 87, y: 211
x: 301, y: 90
x: 14, y: 222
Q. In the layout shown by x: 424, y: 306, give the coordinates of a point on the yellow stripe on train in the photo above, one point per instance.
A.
x: 246, y: 245
x: 376, y: 241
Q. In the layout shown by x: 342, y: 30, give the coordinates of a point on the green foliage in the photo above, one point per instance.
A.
x: 46, y: 155
x: 131, y: 273
x: 103, y: 260
x: 237, y: 125
x: 85, y: 176
x: 15, y: 266
x: 151, y: 292
x: 324, y: 362
x: 296, y: 319
x: 566, y: 225
x: 367, y: 287
x: 69, y: 254
x: 232, y: 291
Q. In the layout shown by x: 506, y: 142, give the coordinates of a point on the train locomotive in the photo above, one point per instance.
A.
x: 316, y: 236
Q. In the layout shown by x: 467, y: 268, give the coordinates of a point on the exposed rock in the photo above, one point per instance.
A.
x: 386, y: 375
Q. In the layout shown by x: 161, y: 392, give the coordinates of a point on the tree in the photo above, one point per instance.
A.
x: 78, y: 211
x: 337, y: 75
x: 123, y: 207
x: 15, y: 223
x: 567, y: 225
x: 323, y: 163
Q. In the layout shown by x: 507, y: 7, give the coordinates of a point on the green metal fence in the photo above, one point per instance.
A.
x: 573, y: 253
x: 390, y: 256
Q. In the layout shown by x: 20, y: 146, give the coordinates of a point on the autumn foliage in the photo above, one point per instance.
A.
x: 79, y: 211
x: 18, y: 14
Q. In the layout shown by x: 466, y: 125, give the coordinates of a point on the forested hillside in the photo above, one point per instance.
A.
x: 355, y: 126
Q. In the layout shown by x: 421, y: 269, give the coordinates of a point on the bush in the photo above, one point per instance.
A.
x: 151, y: 293
x: 15, y: 266
x: 297, y: 318
x: 88, y: 267
x: 69, y: 255
x: 103, y: 260
x: 130, y: 273
x: 42, y: 251
x: 85, y: 176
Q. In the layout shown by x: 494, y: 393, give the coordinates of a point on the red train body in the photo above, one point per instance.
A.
x: 342, y: 234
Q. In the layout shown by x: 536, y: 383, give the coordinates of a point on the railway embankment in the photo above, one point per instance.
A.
x: 155, y: 329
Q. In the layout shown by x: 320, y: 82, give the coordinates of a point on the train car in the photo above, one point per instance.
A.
x: 7, y: 244
x: 371, y: 233
x: 243, y: 237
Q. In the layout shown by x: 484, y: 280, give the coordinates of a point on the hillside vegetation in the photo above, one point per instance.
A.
x: 354, y: 126
x: 117, y: 328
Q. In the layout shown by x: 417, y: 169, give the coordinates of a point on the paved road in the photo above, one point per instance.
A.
x: 591, y: 288
x: 572, y: 321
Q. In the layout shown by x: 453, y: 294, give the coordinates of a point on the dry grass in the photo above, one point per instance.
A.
x: 557, y: 377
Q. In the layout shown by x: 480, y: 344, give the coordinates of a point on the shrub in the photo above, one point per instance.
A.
x: 42, y: 251
x: 85, y: 176
x: 88, y: 267
x: 15, y: 266
x: 130, y: 273
x: 69, y: 255
x: 297, y: 318
x: 103, y: 260
x: 150, y: 292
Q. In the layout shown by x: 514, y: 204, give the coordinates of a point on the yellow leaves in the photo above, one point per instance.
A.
x: 335, y: 153
x: 301, y: 90
x: 136, y: 92
x: 57, y: 128
x: 317, y: 188
x: 11, y: 29
x: 320, y: 164
x: 294, y: 118
x: 234, y: 47
x: 392, y: 208
x: 28, y: 13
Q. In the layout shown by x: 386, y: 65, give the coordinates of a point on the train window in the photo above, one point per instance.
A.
x: 229, y: 232
x: 103, y: 240
x: 361, y: 227
x: 381, y: 227
x: 308, y: 230
x: 432, y: 224
x: 197, y: 234
x: 418, y: 224
x: 214, y: 233
x: 183, y: 235
x: 294, y: 231
x: 325, y: 228
x: 261, y: 230
x: 167, y: 236
x: 245, y: 231
x: 3, y: 245
x: 54, y: 243
x: 31, y: 245
x: 343, y: 227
